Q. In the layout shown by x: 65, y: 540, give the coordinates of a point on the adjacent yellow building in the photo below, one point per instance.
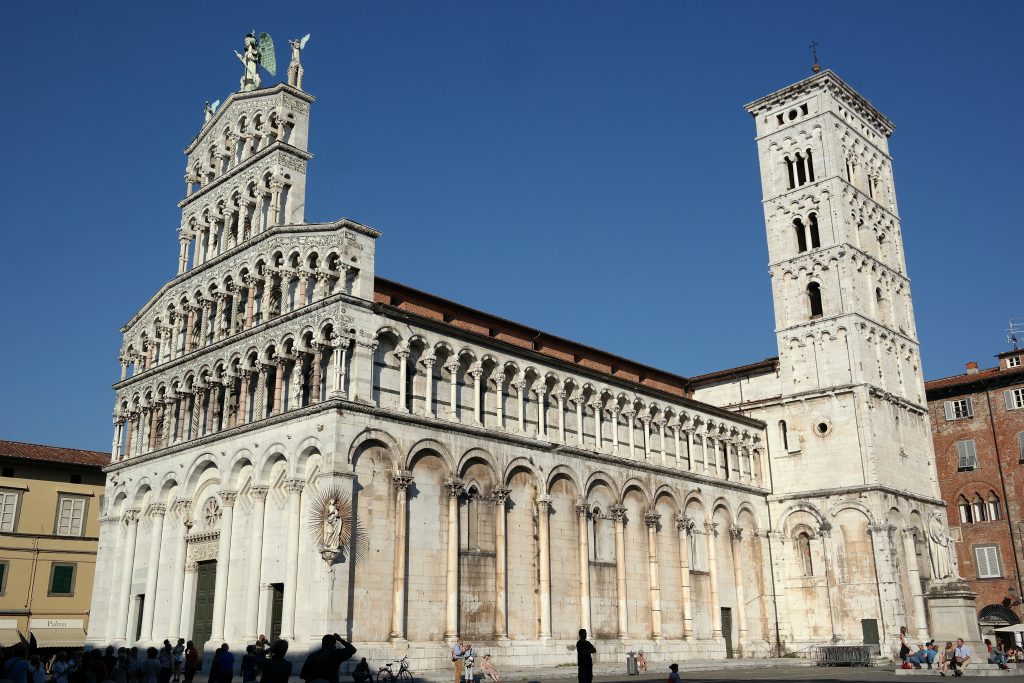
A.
x: 50, y: 499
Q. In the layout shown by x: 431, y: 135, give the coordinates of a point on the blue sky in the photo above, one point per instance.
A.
x: 586, y: 168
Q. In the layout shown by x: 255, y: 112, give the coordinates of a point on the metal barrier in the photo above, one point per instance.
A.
x: 843, y: 655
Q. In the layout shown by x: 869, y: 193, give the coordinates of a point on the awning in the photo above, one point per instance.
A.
x: 59, y: 637
x: 1013, y: 628
x: 9, y: 636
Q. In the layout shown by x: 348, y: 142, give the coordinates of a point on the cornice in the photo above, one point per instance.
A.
x: 247, y: 95
x: 860, y: 316
x: 848, y: 490
x: 276, y: 146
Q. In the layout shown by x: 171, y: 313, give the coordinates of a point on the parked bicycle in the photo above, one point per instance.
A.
x: 387, y: 675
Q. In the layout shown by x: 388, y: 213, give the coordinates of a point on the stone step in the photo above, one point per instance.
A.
x: 973, y: 669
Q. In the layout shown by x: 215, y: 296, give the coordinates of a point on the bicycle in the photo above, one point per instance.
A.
x: 386, y: 675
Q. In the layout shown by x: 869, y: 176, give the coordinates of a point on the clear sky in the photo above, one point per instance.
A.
x: 586, y: 168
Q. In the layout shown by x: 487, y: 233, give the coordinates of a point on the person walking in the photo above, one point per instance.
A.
x: 585, y: 651
x: 277, y: 669
x: 323, y: 664
x: 458, y: 655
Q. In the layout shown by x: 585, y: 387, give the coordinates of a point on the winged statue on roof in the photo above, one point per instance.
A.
x: 259, y: 52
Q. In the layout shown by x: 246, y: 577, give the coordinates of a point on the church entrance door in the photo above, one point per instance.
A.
x: 206, y: 582
x: 727, y: 630
x: 276, y: 610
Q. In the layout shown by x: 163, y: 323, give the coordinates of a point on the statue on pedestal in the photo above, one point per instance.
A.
x: 941, y: 549
x: 295, y: 67
x: 259, y: 52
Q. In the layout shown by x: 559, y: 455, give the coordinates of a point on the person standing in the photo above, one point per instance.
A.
x: 673, y: 676
x: 166, y: 658
x: 179, y: 659
x: 151, y: 667
x: 323, y: 664
x: 191, y: 661
x: 225, y: 665
x: 904, y: 645
x: 585, y: 651
x: 468, y: 660
x: 277, y: 669
x: 249, y: 664
x: 59, y: 668
x: 458, y: 655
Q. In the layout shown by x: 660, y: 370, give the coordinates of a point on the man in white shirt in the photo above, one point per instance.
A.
x: 961, y: 658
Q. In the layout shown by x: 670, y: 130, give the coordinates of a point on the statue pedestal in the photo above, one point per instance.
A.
x: 952, y: 614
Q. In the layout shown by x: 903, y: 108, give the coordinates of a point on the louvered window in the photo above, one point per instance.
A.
x: 959, y: 409
x: 967, y: 456
x: 8, y: 510
x: 986, y: 559
x: 1020, y: 445
x: 70, y: 516
x: 1014, y: 398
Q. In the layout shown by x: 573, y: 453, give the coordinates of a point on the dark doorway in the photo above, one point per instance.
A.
x: 138, y: 617
x: 202, y: 623
x: 869, y: 630
x: 727, y: 630
x: 276, y: 609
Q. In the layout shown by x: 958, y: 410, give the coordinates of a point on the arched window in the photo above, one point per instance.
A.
x: 978, y: 509
x: 992, y: 507
x: 785, y: 434
x: 810, y: 167
x: 966, y: 514
x: 789, y: 170
x: 814, y: 297
x: 813, y: 220
x: 801, y: 169
x: 801, y: 235
x: 803, y: 551
x: 878, y: 294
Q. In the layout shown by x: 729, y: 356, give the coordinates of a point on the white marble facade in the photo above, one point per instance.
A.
x: 499, y: 492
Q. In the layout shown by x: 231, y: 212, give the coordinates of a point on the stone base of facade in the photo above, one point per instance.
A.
x: 952, y: 613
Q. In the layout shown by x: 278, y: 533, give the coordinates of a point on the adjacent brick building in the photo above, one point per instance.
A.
x: 978, y: 426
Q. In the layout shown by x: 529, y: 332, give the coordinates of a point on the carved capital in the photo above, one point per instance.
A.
x: 294, y: 486
x: 501, y: 494
x: 711, y: 528
x: 618, y: 513
x: 651, y: 519
x: 157, y: 510
x: 455, y: 486
x: 130, y: 516
x: 911, y: 531
x: 228, y: 498
x: 402, y: 480
x: 259, y: 492
x: 736, y: 532
x: 543, y: 503
x: 684, y: 524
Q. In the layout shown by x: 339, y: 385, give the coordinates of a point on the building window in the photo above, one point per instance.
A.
x: 801, y: 235
x: 813, y: 221
x: 979, y: 509
x: 966, y: 514
x: 967, y: 455
x: 62, y: 579
x: 4, y: 568
x: 986, y: 558
x: 785, y: 437
x: 8, y: 510
x: 814, y: 297
x: 959, y: 409
x: 992, y: 507
x: 1013, y: 362
x: 803, y: 549
x: 1014, y: 398
x: 70, y: 515
x: 1020, y: 445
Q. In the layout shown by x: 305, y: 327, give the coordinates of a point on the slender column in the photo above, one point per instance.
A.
x: 243, y: 396
x: 259, y: 405
x: 914, y: 572
x: 716, y: 610
x: 631, y: 421
x: 736, y: 536
x: 582, y: 510
x: 268, y: 288
x: 255, y: 541
x: 499, y: 398
x: 294, y: 488
x: 183, y: 508
x: 689, y: 450
x: 500, y: 494
x: 579, y: 421
x: 675, y: 445
x: 314, y: 389
x: 598, y: 436
x: 340, y: 352
x: 142, y: 436
x: 453, y: 388
x: 220, y: 591
x: 300, y: 294
x: 542, y: 411
x: 361, y: 381
x: 187, y: 600
x: 521, y: 404
x: 704, y: 449
x: 454, y: 487
x: 189, y: 326
x: 660, y: 424
x: 115, y: 446
x: 476, y: 374
x: 129, y: 435
x: 428, y: 397
x: 684, y: 525
x: 179, y: 424
x: 127, y: 561
x: 401, y: 481
x: 646, y: 422
x: 544, y: 559
x: 619, y: 513
x: 197, y: 410
x: 651, y: 519
x: 151, y: 428
x: 614, y: 419
x: 559, y: 396
x: 208, y: 325
x: 157, y: 511
x: 278, y: 386
x: 210, y: 407
x: 250, y: 301
x: 403, y: 379
x: 182, y: 252
x: 266, y: 598
x: 124, y: 369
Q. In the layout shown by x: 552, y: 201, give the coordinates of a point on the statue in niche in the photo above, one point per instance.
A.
x: 259, y: 52
x: 941, y: 549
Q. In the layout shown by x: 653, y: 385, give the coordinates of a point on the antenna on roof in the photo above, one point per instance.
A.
x: 814, y: 50
x: 1015, y: 333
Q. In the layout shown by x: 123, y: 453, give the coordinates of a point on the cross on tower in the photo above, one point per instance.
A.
x: 814, y: 50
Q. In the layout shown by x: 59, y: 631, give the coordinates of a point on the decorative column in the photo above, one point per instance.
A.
x: 500, y: 494
x: 716, y: 609
x: 157, y: 511
x: 689, y: 450
x: 401, y: 482
x: 142, y: 434
x: 315, y: 375
x: 598, y: 436
x: 736, y: 537
x: 188, y: 593
x: 182, y: 417
x: 255, y: 540
x: 476, y: 373
x: 619, y: 513
x: 660, y: 424
x: 452, y: 366
x: 361, y: 381
x: 646, y: 422
x: 220, y: 594
x: 613, y: 418
x: 520, y: 386
x: 914, y: 572
x: 183, y: 510
x: 266, y: 599
x: 428, y: 399
x: 651, y: 519
x: 544, y: 559
x: 499, y: 397
x: 183, y: 241
x: 559, y: 396
x: 339, y: 358
x: 684, y: 525
x: 631, y: 422
x: 582, y: 509
x: 259, y: 402
x: 542, y: 410
x: 250, y: 300
x: 579, y: 421
x: 115, y: 446
x: 127, y: 561
x: 198, y: 394
x: 211, y: 406
x: 294, y: 488
x: 403, y: 379
x: 278, y: 385
x: 454, y: 488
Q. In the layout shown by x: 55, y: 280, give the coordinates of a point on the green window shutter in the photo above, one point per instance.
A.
x: 63, y: 579
x: 948, y: 407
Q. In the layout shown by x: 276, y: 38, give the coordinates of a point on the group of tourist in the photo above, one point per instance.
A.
x: 464, y: 659
x: 951, y: 658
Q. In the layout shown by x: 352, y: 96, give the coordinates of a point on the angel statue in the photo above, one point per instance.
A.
x: 258, y: 52
x: 295, y: 68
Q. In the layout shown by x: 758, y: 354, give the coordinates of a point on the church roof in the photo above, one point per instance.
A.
x: 53, y: 454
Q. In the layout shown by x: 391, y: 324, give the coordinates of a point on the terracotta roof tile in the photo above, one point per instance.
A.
x: 979, y: 376
x: 67, y: 456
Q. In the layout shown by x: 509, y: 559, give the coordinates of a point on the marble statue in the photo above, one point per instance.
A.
x: 941, y: 549
x: 295, y: 67
x: 258, y: 53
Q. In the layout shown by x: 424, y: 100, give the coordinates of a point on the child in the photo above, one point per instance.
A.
x: 673, y: 676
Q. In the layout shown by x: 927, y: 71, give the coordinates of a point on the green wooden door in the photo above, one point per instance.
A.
x: 727, y: 630
x: 202, y: 623
x: 276, y: 609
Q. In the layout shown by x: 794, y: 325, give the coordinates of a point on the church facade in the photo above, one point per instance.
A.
x: 301, y: 447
